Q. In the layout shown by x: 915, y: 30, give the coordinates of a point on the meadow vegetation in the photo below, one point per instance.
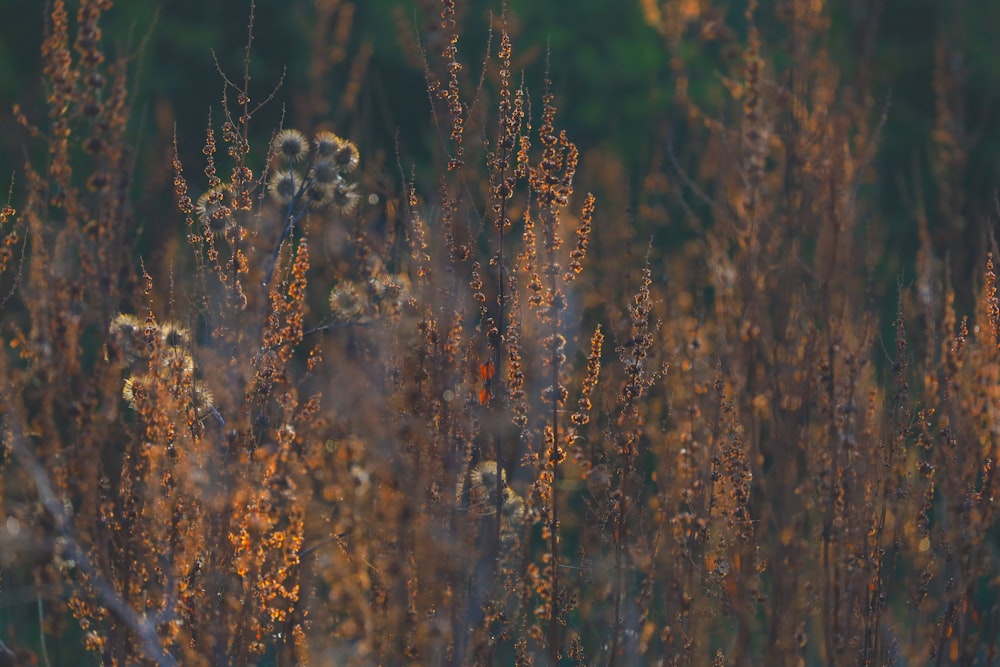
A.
x: 494, y: 407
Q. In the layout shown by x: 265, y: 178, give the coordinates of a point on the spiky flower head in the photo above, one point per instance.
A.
x: 127, y: 325
x: 178, y: 361
x: 326, y: 143
x: 513, y: 507
x: 175, y: 334
x: 215, y: 207
x: 482, y: 488
x: 345, y: 198
x: 347, y: 157
x: 511, y: 515
x: 126, y: 340
x: 291, y: 145
x: 347, y: 303
x: 136, y: 389
x: 324, y: 172
x: 485, y: 474
x: 318, y: 195
x: 390, y: 292
x: 202, y: 399
x: 342, y: 152
x: 284, y: 186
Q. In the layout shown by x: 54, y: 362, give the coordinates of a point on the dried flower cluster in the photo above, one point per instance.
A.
x: 312, y: 180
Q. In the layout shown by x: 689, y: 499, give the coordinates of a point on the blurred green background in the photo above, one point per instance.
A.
x: 610, y: 72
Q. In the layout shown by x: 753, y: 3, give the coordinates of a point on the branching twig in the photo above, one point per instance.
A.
x: 141, y: 626
x: 41, y: 631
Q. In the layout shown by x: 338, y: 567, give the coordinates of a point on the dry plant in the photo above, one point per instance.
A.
x: 470, y: 434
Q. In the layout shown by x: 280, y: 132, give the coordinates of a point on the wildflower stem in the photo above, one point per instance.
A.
x: 291, y: 219
x: 41, y: 631
x: 140, y: 625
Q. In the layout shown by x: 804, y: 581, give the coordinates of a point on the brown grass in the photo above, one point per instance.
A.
x: 496, y: 427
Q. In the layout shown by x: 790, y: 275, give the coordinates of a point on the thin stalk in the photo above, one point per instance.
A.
x: 554, y: 532
x: 291, y: 218
x: 41, y: 631
x: 497, y: 360
x: 554, y: 460
x: 619, y: 555
x: 497, y: 368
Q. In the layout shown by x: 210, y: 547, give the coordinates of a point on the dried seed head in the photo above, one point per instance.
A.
x: 318, y: 195
x: 390, y: 292
x: 347, y: 303
x: 179, y: 361
x: 284, y: 186
x: 291, y: 144
x: 136, y: 389
x: 326, y: 143
x: 127, y: 325
x: 482, y: 488
x: 347, y: 157
x: 174, y: 334
x: 513, y: 507
x: 215, y: 207
x: 126, y: 340
x: 383, y: 287
x: 345, y: 198
x: 485, y: 474
x: 128, y: 391
x: 325, y: 172
x: 343, y: 153
x: 202, y: 399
